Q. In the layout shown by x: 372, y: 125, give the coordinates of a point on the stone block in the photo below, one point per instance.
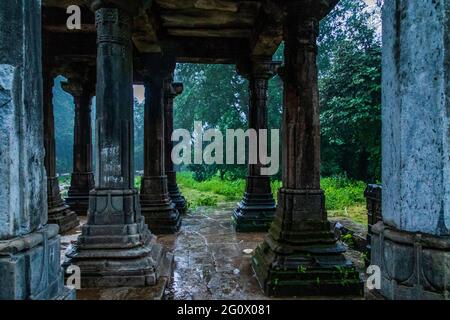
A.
x: 415, y: 134
x: 30, y: 267
x: 413, y: 265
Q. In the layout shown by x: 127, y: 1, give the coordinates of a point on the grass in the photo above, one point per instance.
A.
x: 344, y: 197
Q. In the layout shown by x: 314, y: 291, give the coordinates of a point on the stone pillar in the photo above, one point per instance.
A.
x: 160, y: 213
x: 257, y: 209
x: 412, y: 244
x: 29, y: 247
x: 116, y: 248
x: 82, y: 88
x: 58, y: 211
x: 300, y: 255
x: 171, y: 90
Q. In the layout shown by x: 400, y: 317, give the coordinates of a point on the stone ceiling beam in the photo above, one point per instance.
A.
x: 206, y: 50
x: 267, y: 33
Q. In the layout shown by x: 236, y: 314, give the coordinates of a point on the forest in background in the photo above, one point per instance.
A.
x: 349, y: 65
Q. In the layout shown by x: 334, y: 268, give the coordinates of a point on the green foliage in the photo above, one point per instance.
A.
x: 350, y: 92
x: 203, y: 201
x: 63, y: 111
x: 218, y: 97
x: 348, y: 239
x: 229, y: 189
x: 342, y: 193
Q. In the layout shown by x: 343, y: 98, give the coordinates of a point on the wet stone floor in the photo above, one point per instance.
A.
x: 212, y: 261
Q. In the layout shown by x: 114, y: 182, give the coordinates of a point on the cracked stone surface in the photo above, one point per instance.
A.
x: 212, y: 261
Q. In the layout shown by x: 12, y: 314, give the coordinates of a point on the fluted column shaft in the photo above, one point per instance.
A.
x: 82, y: 181
x: 116, y: 248
x: 58, y: 212
x: 301, y: 255
x: 171, y: 90
x: 256, y: 211
x: 157, y: 207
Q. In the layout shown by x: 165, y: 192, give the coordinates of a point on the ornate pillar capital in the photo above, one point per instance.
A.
x: 258, y: 67
x: 131, y: 7
x: 263, y: 67
x: 158, y: 67
x: 73, y: 87
x: 172, y: 89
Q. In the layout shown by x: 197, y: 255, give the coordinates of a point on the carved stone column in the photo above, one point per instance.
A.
x: 160, y: 213
x: 58, y: 211
x: 257, y: 209
x: 171, y: 90
x: 82, y: 88
x: 411, y: 246
x: 29, y: 247
x: 116, y: 249
x: 301, y: 255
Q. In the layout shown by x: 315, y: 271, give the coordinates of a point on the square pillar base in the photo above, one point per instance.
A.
x: 255, y: 213
x: 116, y: 249
x: 320, y: 270
x: 30, y: 267
x: 63, y: 217
x: 413, y: 266
x: 301, y: 255
x: 78, y: 203
x: 159, y: 211
x: 58, y: 211
x: 177, y: 198
x: 78, y: 194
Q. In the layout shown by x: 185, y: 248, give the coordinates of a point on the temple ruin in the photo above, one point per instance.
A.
x: 122, y: 43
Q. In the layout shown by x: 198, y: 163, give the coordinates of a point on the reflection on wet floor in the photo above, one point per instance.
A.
x: 212, y: 261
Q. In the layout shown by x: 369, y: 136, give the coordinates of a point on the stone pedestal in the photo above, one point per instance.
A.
x: 58, y: 211
x: 116, y: 249
x: 373, y: 204
x: 411, y: 245
x: 257, y: 209
x: 81, y: 86
x: 30, y: 267
x: 300, y: 255
x: 171, y: 90
x: 158, y: 209
x: 29, y: 248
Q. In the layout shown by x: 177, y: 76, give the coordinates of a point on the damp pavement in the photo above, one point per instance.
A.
x: 212, y: 261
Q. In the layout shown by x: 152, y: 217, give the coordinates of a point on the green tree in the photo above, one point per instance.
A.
x: 350, y: 92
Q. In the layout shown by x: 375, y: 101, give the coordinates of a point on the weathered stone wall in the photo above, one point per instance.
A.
x: 416, y: 109
x: 29, y: 249
x: 411, y: 244
x: 22, y: 185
